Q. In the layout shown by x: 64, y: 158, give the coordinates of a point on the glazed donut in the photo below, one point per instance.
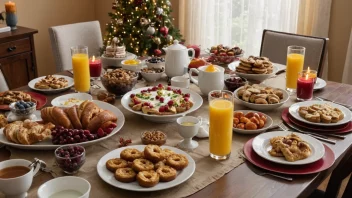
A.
x: 166, y: 173
x: 113, y: 164
x: 166, y: 153
x: 177, y: 161
x: 148, y: 178
x: 130, y: 154
x: 153, y: 153
x: 142, y: 165
x: 159, y: 164
x: 125, y: 175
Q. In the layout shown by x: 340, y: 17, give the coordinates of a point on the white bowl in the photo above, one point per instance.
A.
x: 115, y: 62
x: 151, y: 77
x: 155, y: 65
x: 256, y: 77
x: 67, y: 183
x: 268, y: 124
x: 263, y: 107
x: 60, y: 100
x: 135, y: 68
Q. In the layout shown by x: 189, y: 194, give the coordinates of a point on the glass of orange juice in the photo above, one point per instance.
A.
x: 220, y: 123
x: 294, y: 65
x: 80, y: 65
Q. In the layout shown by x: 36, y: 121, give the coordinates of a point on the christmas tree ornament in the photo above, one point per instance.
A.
x: 150, y: 30
x: 169, y: 38
x: 143, y: 21
x: 164, y: 30
x: 157, y: 40
x: 114, y: 6
x: 159, y: 11
x: 157, y: 52
x: 168, y: 3
x: 138, y: 2
x: 119, y: 22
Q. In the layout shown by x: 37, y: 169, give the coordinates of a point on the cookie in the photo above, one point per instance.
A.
x: 259, y: 71
x: 243, y: 67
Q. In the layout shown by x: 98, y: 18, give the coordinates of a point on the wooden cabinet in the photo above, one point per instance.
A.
x: 17, y: 56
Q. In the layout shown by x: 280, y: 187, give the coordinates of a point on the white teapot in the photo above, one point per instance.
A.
x: 177, y: 59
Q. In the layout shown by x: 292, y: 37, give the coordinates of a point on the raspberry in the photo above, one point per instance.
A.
x: 132, y: 96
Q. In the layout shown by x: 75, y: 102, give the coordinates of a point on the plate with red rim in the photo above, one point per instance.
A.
x: 39, y: 99
x: 324, y: 163
x: 346, y: 128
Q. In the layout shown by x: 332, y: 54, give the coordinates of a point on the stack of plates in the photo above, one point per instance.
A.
x: 256, y: 151
x: 291, y: 117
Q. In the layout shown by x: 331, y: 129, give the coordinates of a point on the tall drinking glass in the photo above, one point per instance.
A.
x: 80, y: 65
x: 294, y: 65
x: 220, y: 123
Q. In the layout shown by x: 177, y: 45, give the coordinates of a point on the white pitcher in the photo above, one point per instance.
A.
x: 208, y: 81
x: 177, y: 59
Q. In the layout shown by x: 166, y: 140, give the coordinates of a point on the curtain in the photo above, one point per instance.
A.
x: 235, y: 22
x: 347, y: 71
x: 313, y: 20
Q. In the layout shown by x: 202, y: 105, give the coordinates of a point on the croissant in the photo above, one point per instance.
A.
x: 100, y: 119
x: 57, y: 116
x: 73, y: 116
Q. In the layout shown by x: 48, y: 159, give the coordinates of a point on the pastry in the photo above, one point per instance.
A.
x: 51, y: 82
x: 147, y: 178
x: 321, y: 113
x: 130, y: 154
x: 3, y: 121
x: 255, y: 65
x: 125, y: 175
x: 177, y: 161
x: 142, y: 165
x: 166, y: 173
x: 159, y: 164
x: 250, y: 121
x: 9, y: 97
x: 153, y: 153
x: 113, y: 164
x: 260, y: 95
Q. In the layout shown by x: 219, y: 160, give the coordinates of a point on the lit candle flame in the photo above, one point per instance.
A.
x: 93, y: 59
x: 308, y: 70
x: 307, y: 75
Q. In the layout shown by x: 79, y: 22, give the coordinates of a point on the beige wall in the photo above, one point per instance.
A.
x: 340, y: 30
x: 42, y: 14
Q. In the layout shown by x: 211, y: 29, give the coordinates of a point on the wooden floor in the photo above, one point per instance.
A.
x: 342, y: 189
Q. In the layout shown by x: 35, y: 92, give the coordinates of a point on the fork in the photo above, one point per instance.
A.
x: 319, y: 137
x: 262, y: 173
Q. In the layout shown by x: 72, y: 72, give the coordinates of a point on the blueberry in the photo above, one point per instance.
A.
x: 21, y: 107
x: 26, y: 106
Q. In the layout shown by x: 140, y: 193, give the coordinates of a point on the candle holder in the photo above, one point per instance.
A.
x: 305, y: 84
x: 11, y: 16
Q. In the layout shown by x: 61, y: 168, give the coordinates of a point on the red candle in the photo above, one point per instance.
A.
x: 95, y: 67
x: 305, y: 85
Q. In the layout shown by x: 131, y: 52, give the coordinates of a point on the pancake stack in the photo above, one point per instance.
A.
x: 255, y: 65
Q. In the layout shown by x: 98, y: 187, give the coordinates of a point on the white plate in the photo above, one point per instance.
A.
x: 69, y: 80
x: 263, y: 107
x: 294, y: 112
x: 257, y: 77
x: 195, y: 98
x: 59, y: 101
x: 109, y: 178
x: 261, y: 145
x: 48, y: 145
x: 320, y: 83
x: 268, y: 124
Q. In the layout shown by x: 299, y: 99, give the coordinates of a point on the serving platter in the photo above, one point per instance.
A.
x: 109, y: 178
x: 261, y: 145
x: 48, y: 145
x: 293, y: 110
x: 194, y: 97
x: 70, y: 81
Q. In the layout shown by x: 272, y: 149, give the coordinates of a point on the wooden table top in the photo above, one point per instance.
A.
x: 241, y: 181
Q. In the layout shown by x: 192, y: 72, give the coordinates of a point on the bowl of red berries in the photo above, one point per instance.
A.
x: 234, y: 82
x: 222, y: 55
x: 70, y: 158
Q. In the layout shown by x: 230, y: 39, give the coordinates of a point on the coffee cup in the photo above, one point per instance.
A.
x: 208, y: 81
x: 17, y: 186
x: 180, y: 81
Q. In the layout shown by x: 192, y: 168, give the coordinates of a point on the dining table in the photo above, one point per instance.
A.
x: 241, y: 181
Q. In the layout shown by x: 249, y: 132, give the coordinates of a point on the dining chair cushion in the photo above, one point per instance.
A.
x: 3, y: 83
x: 274, y: 46
x: 65, y: 36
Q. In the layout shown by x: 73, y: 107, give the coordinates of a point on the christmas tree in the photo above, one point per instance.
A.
x: 143, y: 26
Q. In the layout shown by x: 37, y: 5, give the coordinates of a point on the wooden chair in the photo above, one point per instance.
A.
x: 3, y: 83
x: 274, y: 46
x: 65, y: 36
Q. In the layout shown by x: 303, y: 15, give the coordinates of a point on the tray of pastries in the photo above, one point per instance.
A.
x: 146, y: 167
x: 51, y: 83
x: 320, y: 113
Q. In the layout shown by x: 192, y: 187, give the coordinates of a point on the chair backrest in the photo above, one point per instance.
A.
x: 274, y: 46
x: 3, y: 83
x: 65, y: 36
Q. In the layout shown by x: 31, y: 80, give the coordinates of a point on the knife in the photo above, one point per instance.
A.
x: 316, y: 134
x: 316, y: 137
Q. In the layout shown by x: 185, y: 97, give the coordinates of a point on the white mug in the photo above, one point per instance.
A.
x: 17, y: 187
x: 180, y: 81
x: 208, y: 81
